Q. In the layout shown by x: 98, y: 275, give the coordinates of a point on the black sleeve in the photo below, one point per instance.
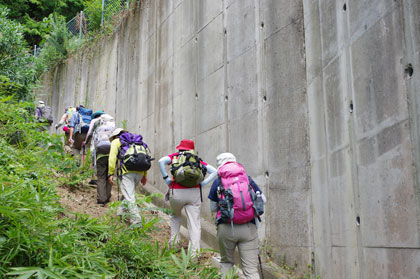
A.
x: 254, y: 185
x: 213, y: 191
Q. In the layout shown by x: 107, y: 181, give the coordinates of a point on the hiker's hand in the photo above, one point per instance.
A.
x: 56, y: 126
x: 83, y: 143
x: 143, y: 180
x: 111, y: 180
x: 71, y: 140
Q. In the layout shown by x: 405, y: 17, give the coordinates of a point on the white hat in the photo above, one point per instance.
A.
x: 41, y: 102
x: 116, y: 133
x: 223, y: 158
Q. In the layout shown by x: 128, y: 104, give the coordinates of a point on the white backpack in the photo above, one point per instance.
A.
x: 102, y: 133
x: 106, y: 120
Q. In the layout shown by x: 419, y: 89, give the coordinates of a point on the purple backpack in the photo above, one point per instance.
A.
x: 134, y: 153
x: 236, y: 196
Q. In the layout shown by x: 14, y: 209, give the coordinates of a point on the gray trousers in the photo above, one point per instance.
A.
x: 128, y: 189
x: 188, y: 199
x: 245, y: 237
x: 103, y: 189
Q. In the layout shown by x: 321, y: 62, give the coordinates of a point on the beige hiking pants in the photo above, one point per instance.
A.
x: 245, y: 237
x: 128, y: 189
x: 189, y: 199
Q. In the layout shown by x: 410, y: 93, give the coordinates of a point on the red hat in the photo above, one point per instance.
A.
x: 65, y: 128
x: 186, y: 145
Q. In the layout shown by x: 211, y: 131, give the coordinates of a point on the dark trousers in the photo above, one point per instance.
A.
x: 103, y: 187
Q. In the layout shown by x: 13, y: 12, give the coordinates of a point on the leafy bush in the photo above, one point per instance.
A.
x: 16, y: 63
x: 56, y: 43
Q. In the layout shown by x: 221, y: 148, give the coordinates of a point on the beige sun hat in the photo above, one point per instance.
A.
x: 116, y: 133
x: 223, y: 158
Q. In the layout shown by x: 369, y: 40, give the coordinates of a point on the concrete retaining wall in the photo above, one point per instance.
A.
x: 316, y: 98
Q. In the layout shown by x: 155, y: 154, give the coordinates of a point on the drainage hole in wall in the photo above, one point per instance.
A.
x: 262, y: 24
x: 226, y: 98
x: 351, y: 107
x: 345, y: 7
x: 408, y: 71
x: 225, y: 31
x: 358, y: 220
x: 267, y: 174
x: 265, y: 99
x: 196, y: 96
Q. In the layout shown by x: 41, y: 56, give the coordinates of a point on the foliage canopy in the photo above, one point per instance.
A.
x: 33, y: 15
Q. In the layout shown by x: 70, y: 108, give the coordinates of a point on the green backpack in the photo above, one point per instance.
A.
x: 187, y: 169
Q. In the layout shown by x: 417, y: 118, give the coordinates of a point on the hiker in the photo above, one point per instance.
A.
x: 67, y: 147
x: 44, y: 114
x: 237, y: 227
x: 78, y: 126
x: 188, y: 172
x: 100, y: 130
x: 129, y: 158
x: 65, y: 119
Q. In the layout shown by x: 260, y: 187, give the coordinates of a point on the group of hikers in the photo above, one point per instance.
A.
x: 121, y: 156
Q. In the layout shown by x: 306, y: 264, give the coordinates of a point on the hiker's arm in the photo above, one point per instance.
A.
x: 213, y: 197
x: 91, y: 125
x: 61, y: 122
x: 256, y: 188
x: 162, y: 163
x: 112, y: 159
x: 212, y: 174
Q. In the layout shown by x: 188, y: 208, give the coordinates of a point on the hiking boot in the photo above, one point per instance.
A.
x: 102, y: 204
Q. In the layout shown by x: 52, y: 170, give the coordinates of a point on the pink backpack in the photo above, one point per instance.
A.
x: 236, y: 195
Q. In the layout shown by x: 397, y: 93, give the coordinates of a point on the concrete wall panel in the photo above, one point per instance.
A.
x: 377, y: 100
x: 240, y: 23
x: 211, y: 101
x: 242, y: 85
x: 210, y: 48
x: 391, y: 263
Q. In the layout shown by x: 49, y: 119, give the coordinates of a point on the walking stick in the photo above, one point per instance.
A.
x: 118, y: 189
x: 259, y: 260
x: 83, y: 155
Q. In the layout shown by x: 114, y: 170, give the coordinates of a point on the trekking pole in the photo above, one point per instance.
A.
x: 261, y: 269
x: 118, y: 189
x: 83, y: 155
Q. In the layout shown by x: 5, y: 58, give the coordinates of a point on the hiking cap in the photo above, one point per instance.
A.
x: 116, y: 132
x: 224, y: 158
x: 186, y: 144
x: 41, y: 102
x: 65, y: 128
x: 97, y: 114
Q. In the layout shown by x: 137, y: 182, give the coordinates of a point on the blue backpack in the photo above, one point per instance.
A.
x: 85, y: 118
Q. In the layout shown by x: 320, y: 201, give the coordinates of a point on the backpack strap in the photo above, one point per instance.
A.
x: 222, y: 191
x: 253, y: 194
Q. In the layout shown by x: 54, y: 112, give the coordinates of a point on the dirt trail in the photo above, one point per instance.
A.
x: 83, y: 200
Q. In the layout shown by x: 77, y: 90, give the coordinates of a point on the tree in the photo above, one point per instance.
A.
x: 16, y: 63
x: 32, y: 15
